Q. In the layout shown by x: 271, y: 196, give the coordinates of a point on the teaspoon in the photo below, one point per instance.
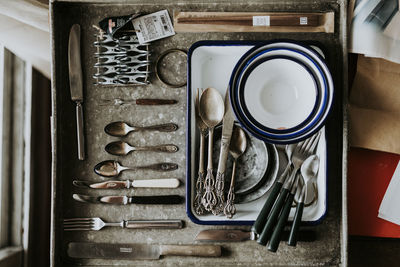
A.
x: 120, y: 148
x: 211, y: 112
x: 111, y: 168
x: 120, y: 128
x: 237, y: 147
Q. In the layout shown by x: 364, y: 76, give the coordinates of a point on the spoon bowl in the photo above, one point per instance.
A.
x: 309, y: 171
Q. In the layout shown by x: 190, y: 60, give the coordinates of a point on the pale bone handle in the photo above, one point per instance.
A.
x: 157, y: 183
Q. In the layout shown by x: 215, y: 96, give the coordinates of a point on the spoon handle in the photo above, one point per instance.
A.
x: 209, y: 198
x: 230, y: 209
x: 166, y: 166
x: 198, y: 206
x: 152, y: 102
x: 167, y: 127
x: 160, y: 148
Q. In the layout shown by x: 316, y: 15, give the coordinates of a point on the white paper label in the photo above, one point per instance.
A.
x: 153, y: 26
x: 303, y: 21
x: 260, y: 20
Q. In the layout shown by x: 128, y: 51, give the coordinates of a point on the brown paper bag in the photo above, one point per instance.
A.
x: 374, y: 111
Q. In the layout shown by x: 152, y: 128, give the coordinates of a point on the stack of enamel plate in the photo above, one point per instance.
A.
x: 281, y: 92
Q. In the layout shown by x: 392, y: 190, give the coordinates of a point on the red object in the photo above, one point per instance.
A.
x: 369, y: 174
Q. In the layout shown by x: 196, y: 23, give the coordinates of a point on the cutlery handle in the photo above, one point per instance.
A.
x: 167, y: 127
x: 153, y: 224
x: 157, y: 183
x: 267, y: 230
x: 160, y: 148
x: 165, y: 166
x: 79, y: 130
x: 294, y: 230
x: 191, y: 250
x: 263, y: 215
x: 153, y: 102
x: 167, y: 200
x: 277, y: 234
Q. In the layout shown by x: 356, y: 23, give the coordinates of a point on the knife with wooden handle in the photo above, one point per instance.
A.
x: 228, y: 235
x: 146, y: 183
x: 76, y: 83
x: 138, y: 251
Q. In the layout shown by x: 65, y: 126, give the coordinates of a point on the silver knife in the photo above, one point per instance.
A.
x: 147, y: 183
x: 76, y: 83
x: 227, y: 128
x: 138, y: 251
x: 124, y: 200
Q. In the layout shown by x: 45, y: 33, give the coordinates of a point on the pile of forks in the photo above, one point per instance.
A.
x: 121, y: 60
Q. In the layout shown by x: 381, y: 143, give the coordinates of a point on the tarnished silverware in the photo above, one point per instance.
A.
x: 211, y: 112
x: 111, y: 168
x: 309, y: 170
x: 198, y: 206
x: 237, y: 147
x: 227, y: 128
x: 120, y: 148
x: 124, y: 200
x: 96, y: 224
x: 120, y: 128
x: 145, y: 183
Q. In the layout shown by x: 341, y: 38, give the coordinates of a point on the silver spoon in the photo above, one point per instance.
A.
x: 309, y: 170
x: 120, y: 128
x: 237, y: 147
x: 111, y: 168
x: 211, y: 112
x: 120, y: 148
x: 198, y: 206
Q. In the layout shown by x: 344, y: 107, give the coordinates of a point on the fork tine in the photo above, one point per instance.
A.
x: 315, y: 142
x: 81, y: 223
x: 78, y: 229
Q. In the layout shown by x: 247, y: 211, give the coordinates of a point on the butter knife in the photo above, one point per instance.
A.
x: 227, y: 235
x: 76, y: 83
x: 227, y: 128
x: 124, y: 200
x: 147, y: 183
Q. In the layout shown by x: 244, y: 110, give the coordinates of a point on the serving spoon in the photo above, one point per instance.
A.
x: 237, y: 147
x: 211, y: 112
x: 120, y: 148
x: 111, y: 168
x: 120, y: 128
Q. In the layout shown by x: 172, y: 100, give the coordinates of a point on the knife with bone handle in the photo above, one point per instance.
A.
x: 145, y: 183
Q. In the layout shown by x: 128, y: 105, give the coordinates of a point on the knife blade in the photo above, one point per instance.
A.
x: 138, y: 251
x: 76, y: 83
x: 227, y: 235
x: 124, y: 200
x: 148, y: 183
x: 227, y: 128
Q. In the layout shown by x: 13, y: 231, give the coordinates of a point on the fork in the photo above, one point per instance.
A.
x: 96, y: 224
x: 302, y: 151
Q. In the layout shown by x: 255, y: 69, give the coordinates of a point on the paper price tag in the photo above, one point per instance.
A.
x: 303, y: 21
x: 153, y: 27
x: 261, y: 20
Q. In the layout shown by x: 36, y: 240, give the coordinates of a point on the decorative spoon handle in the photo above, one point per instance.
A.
x: 198, y: 207
x: 230, y: 208
x: 167, y: 127
x: 160, y: 148
x: 165, y: 166
x: 209, y: 198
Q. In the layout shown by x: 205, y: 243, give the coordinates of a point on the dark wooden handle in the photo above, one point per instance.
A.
x: 269, y: 226
x: 263, y: 215
x: 166, y: 200
x: 277, y: 234
x: 294, y: 230
x: 191, y: 250
x: 153, y: 102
